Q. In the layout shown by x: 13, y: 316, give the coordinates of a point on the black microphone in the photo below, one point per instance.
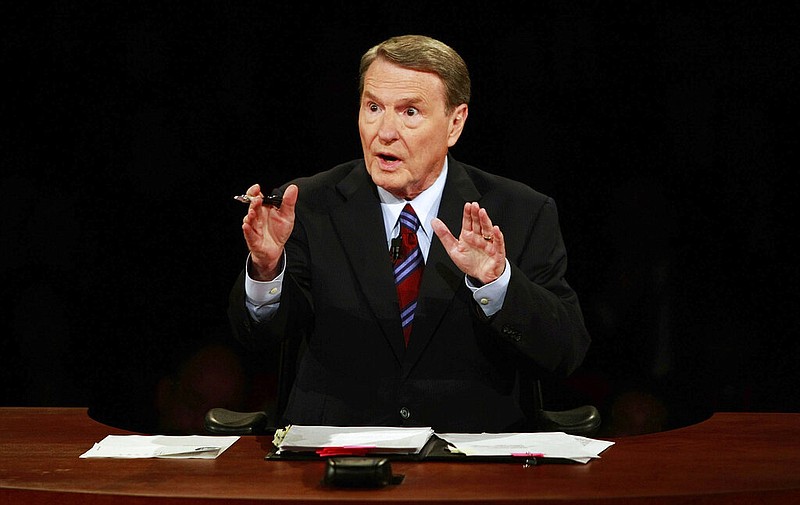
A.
x: 396, y: 243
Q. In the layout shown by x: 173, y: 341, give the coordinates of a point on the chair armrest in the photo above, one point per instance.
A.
x: 583, y: 421
x: 219, y: 421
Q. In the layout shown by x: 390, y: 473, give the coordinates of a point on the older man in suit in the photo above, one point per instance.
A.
x: 491, y: 305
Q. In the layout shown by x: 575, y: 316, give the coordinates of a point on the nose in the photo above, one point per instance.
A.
x: 387, y: 130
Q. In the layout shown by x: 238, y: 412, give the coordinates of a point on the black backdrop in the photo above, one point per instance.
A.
x: 663, y: 131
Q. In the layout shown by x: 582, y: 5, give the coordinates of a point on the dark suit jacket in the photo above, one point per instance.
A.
x: 460, y: 369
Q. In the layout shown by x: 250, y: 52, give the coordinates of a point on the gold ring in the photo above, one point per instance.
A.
x: 487, y: 238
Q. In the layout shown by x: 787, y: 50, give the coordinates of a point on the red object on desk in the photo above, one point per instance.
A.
x: 358, y: 450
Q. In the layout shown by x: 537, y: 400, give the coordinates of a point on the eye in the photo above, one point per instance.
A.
x: 373, y: 107
x: 411, y: 112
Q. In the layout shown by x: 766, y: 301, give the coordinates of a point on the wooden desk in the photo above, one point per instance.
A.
x: 731, y: 458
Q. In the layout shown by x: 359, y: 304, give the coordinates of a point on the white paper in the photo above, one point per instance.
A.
x: 376, y: 438
x: 160, y: 446
x: 546, y: 444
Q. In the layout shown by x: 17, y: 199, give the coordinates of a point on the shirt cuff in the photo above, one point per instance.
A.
x: 490, y: 297
x: 262, y: 297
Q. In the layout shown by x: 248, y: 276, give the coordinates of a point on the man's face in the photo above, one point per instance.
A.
x: 405, y: 131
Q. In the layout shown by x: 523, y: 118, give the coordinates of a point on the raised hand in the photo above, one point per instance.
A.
x: 266, y: 230
x: 479, y: 251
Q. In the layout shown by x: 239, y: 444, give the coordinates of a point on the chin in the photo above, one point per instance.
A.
x: 383, y: 177
x: 387, y: 184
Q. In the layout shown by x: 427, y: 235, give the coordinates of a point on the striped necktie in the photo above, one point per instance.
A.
x: 408, y: 268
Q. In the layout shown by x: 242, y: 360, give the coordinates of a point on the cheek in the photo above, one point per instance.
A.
x: 426, y: 140
x: 367, y: 136
x: 423, y: 147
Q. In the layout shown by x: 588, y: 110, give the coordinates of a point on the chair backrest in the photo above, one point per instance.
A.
x: 584, y: 420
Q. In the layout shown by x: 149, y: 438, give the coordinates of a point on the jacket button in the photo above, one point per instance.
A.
x: 405, y: 413
x: 512, y: 333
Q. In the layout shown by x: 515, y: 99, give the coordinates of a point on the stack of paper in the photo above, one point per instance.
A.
x: 359, y: 440
x: 337, y: 440
x: 159, y: 446
x: 539, y: 444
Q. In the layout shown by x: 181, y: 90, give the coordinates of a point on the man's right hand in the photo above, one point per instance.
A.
x: 266, y: 230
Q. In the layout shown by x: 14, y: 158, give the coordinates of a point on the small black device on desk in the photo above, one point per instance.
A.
x: 351, y: 471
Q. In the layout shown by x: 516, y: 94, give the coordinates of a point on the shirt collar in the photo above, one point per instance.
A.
x: 426, y: 204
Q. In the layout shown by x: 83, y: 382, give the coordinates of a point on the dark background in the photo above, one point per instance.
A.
x: 663, y: 130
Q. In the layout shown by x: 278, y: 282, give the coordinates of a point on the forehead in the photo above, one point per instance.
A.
x: 386, y: 80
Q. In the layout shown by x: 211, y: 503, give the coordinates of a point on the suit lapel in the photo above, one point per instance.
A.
x: 357, y: 221
x: 441, y: 279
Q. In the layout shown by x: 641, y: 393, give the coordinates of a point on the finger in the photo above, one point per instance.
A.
x: 499, y: 241
x: 475, y: 221
x: 254, y: 190
x: 290, y: 195
x: 478, y: 221
x: 497, y: 234
x: 252, y: 216
x: 251, y: 236
x: 485, y: 223
x: 474, y: 211
x: 466, y: 218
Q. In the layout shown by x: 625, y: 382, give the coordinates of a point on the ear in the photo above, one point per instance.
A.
x: 457, y: 119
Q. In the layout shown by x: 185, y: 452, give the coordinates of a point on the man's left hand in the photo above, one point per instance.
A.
x: 479, y: 251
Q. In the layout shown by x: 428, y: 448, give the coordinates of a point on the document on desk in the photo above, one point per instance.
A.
x: 340, y: 440
x: 538, y: 444
x: 160, y: 446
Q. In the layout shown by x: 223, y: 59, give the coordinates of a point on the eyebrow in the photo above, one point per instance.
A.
x: 411, y: 100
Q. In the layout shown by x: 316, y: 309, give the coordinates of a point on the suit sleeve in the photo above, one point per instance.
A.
x: 293, y: 313
x: 541, y: 317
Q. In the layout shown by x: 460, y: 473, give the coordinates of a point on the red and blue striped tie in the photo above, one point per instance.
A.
x: 408, y: 268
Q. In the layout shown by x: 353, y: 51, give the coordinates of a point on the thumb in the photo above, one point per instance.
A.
x: 441, y: 231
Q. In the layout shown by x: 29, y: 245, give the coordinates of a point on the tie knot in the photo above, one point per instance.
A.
x: 408, y: 218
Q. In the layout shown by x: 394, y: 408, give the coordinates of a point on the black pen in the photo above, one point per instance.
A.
x: 274, y: 200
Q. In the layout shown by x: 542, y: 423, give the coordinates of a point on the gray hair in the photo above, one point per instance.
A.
x: 418, y: 52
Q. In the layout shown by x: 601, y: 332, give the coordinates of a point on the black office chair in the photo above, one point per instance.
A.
x: 584, y: 420
x: 221, y: 421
